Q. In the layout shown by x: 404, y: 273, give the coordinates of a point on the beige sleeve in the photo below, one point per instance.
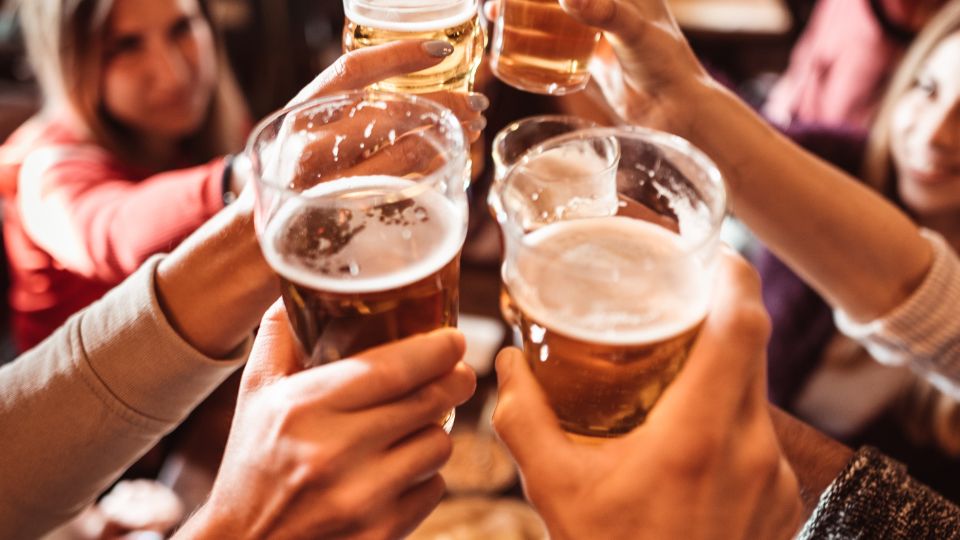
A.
x: 85, y: 404
x: 924, y: 331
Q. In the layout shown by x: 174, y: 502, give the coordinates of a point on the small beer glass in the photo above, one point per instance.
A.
x: 537, y: 47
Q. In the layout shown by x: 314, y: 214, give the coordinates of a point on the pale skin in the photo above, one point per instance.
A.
x: 686, y: 472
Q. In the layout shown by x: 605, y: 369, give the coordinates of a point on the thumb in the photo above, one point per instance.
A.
x: 275, y: 353
x: 523, y: 418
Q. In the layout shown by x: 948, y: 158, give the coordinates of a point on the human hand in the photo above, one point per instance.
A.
x: 348, y: 449
x: 705, y: 464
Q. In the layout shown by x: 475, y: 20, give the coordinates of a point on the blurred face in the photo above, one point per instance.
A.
x: 925, y: 134
x: 160, y: 67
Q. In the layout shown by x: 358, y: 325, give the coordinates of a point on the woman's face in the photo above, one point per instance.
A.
x: 925, y: 134
x: 159, y: 67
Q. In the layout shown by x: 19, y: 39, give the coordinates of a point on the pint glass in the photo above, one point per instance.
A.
x: 611, y: 236
x: 361, y: 210
x: 373, y: 22
x: 537, y: 47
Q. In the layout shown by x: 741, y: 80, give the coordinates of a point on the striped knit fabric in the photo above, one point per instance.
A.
x: 924, y: 331
x: 874, y: 498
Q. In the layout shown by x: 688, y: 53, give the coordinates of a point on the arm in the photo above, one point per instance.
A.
x: 85, y: 404
x: 76, y: 208
x: 809, y: 213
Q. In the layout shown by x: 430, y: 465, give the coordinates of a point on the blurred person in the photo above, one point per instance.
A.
x: 95, y: 183
x: 841, y: 64
x: 818, y: 373
x: 117, y: 377
x: 895, y: 285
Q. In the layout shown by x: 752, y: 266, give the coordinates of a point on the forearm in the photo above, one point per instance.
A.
x: 815, y: 458
x: 82, y: 406
x: 215, y: 286
x: 859, y: 251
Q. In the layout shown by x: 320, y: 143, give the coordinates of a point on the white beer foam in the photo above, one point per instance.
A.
x: 376, y: 241
x: 644, y: 289
x: 386, y: 15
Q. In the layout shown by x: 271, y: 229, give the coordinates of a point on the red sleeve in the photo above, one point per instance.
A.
x: 116, y: 224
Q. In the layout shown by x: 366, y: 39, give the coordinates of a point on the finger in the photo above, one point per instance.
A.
x: 727, y: 361
x: 275, y: 353
x: 523, y: 418
x: 424, y: 407
x: 386, y: 373
x: 604, y: 14
x: 363, y: 67
x: 468, y: 108
x: 410, y: 461
x: 411, y: 509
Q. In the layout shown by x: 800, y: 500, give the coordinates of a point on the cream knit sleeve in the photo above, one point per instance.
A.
x: 86, y: 403
x: 924, y: 331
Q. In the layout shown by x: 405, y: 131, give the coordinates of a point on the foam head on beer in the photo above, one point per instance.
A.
x: 374, y: 22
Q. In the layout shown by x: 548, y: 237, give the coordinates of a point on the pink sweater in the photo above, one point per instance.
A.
x: 77, y: 221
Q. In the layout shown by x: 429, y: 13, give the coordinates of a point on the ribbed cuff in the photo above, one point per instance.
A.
x: 142, y: 360
x: 924, y: 331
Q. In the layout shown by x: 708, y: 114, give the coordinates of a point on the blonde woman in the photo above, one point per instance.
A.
x: 912, y: 157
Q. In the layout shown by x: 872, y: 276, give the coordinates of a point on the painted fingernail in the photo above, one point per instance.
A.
x: 438, y: 48
x: 478, y: 102
x: 477, y: 125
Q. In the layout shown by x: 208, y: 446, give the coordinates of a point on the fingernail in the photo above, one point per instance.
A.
x: 438, y: 48
x: 477, y: 125
x: 478, y: 102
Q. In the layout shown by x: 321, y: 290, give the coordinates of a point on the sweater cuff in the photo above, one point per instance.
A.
x: 874, y: 497
x: 924, y: 331
x: 142, y: 360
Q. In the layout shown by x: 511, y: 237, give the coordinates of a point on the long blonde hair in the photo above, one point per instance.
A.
x: 64, y: 41
x: 878, y: 168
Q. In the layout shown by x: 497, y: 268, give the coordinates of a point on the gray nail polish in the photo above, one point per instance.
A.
x: 438, y: 48
x: 477, y: 125
x: 478, y: 102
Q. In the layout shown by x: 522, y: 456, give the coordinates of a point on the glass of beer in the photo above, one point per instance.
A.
x: 362, y: 212
x: 374, y: 22
x: 537, y: 47
x: 611, y: 237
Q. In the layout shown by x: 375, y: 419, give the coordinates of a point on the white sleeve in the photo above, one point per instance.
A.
x: 924, y: 331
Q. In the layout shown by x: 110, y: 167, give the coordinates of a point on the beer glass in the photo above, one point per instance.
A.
x: 373, y: 22
x: 537, y: 47
x: 362, y: 212
x: 611, y: 236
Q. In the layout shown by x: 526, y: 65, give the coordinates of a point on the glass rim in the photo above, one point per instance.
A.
x: 515, y: 235
x: 444, y: 116
x: 513, y: 127
x: 425, y: 6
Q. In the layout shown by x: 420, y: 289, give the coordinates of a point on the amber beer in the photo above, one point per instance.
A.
x: 374, y: 22
x: 358, y: 276
x: 605, y: 349
x: 539, y: 48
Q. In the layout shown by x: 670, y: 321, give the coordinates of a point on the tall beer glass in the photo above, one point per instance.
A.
x: 537, y: 47
x: 611, y: 236
x: 374, y: 22
x: 361, y: 210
